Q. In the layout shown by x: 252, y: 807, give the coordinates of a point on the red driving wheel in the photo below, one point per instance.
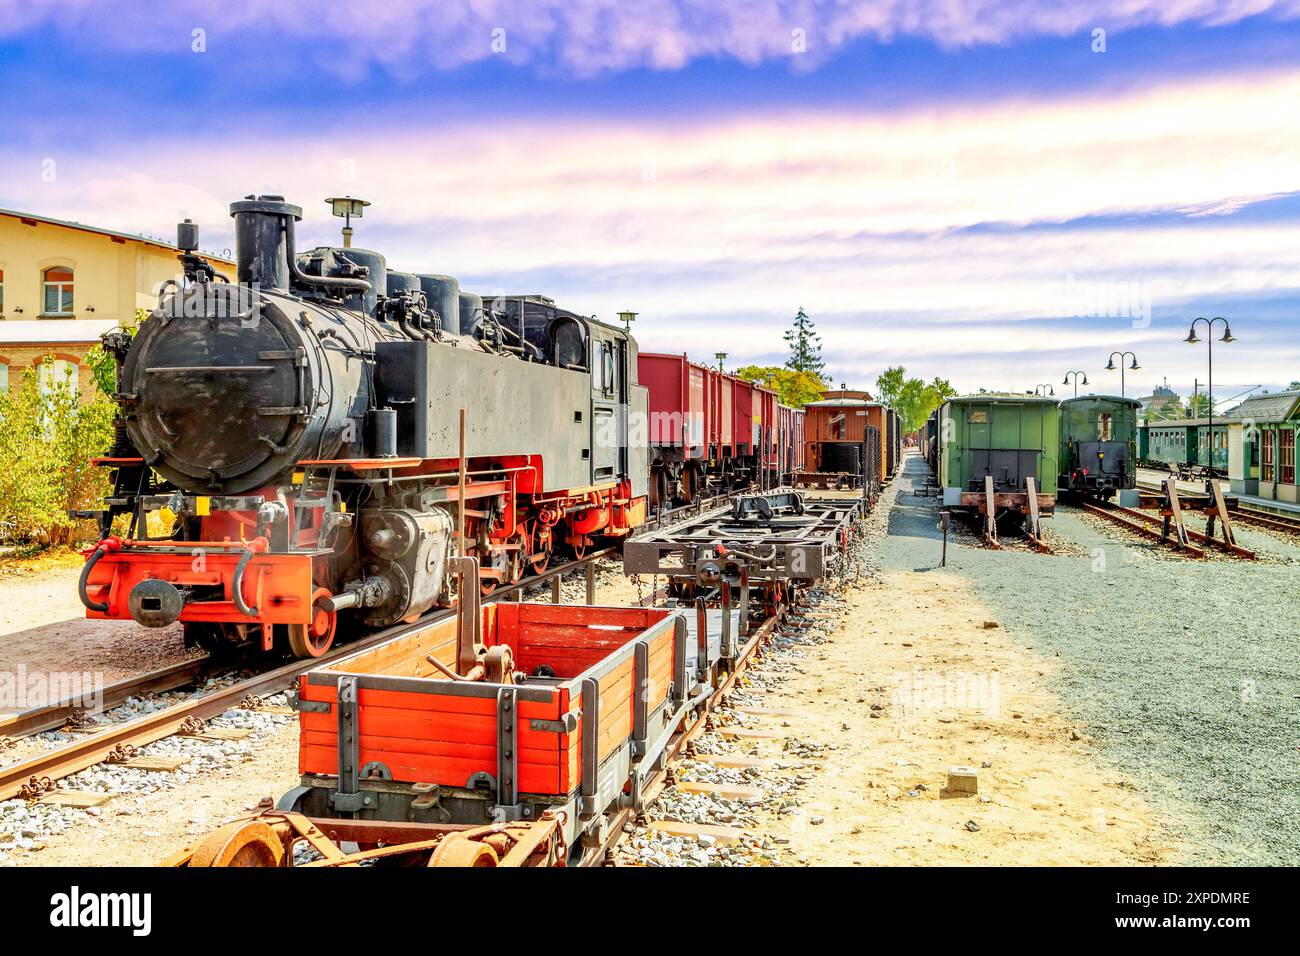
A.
x: 314, y: 639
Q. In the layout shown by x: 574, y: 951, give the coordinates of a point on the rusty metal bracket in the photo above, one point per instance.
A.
x: 348, y: 798
x: 567, y: 724
x: 507, y: 807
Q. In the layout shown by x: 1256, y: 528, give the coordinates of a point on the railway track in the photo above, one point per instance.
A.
x: 1250, y: 515
x: 1152, y: 526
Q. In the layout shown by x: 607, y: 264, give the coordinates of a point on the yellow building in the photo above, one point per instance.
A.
x: 64, y: 284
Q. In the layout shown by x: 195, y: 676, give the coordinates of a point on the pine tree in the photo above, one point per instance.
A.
x: 805, y: 346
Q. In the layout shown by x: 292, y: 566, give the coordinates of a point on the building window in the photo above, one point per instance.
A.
x: 4, y: 378
x: 58, y: 290
x: 2, y: 293
x: 52, y: 375
x: 1286, y: 455
x: 1266, y: 455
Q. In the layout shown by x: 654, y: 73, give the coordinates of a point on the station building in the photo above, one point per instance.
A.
x: 1262, y: 446
x: 64, y: 284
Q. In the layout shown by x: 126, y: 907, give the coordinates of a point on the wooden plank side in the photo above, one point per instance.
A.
x: 582, y: 614
x: 615, y: 709
x: 423, y: 768
x: 391, y: 656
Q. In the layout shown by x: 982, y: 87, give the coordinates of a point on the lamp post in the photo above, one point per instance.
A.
x: 1038, y: 390
x: 345, y: 207
x: 720, y: 356
x: 1209, y: 383
x: 1075, y: 374
x: 627, y: 318
x: 1110, y: 367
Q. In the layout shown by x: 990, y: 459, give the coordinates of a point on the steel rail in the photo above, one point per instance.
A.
x: 54, y: 715
x: 1251, y: 514
x: 1140, y: 523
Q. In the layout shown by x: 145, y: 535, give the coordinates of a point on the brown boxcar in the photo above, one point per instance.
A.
x: 841, y: 420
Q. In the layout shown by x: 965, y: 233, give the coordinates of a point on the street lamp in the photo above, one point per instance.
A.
x: 720, y: 356
x: 627, y: 318
x: 345, y: 207
x: 1050, y: 391
x: 1111, y: 366
x: 1076, y: 374
x: 1209, y: 385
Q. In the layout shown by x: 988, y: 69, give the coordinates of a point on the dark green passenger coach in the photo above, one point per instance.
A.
x: 1099, y: 435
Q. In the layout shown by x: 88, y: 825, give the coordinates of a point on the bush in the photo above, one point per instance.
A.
x: 47, y: 438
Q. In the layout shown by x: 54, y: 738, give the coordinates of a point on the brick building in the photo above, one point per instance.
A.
x: 64, y: 284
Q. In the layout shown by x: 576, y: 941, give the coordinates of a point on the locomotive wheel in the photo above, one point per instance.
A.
x: 456, y: 850
x: 243, y: 843
x: 541, y: 542
x: 581, y: 548
x: 314, y: 639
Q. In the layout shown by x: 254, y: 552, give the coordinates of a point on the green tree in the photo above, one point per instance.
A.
x: 889, y: 384
x: 48, y: 435
x: 103, y: 366
x: 1201, y: 407
x: 805, y: 346
x: 792, y: 387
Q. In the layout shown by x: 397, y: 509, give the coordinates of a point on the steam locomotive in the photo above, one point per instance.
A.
x: 318, y: 435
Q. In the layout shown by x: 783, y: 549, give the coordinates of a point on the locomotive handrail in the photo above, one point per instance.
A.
x: 101, y: 606
x: 237, y: 579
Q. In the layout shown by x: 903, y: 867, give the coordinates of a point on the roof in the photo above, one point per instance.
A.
x: 1103, y: 398
x: 1271, y: 407
x: 1180, y: 422
x: 1007, y: 397
x: 842, y: 403
x: 130, y: 236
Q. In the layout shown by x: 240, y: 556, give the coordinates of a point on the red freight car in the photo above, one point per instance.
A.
x: 708, y: 430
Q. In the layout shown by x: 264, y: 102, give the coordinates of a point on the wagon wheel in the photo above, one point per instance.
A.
x: 540, y: 542
x: 456, y: 850
x: 689, y: 484
x: 243, y: 843
x: 662, y: 489
x: 314, y: 639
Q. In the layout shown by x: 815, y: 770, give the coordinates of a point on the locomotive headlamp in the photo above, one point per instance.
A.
x: 345, y: 207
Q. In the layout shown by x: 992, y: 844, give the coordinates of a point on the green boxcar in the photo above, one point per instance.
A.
x: 1011, y: 437
x: 1099, y: 446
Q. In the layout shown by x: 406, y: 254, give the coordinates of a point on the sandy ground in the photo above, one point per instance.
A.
x: 1051, y: 800
x: 145, y: 830
x: 43, y: 625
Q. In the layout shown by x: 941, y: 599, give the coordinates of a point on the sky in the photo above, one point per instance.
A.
x: 992, y: 193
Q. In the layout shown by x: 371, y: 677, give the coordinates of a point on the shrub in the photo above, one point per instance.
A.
x: 47, y: 437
